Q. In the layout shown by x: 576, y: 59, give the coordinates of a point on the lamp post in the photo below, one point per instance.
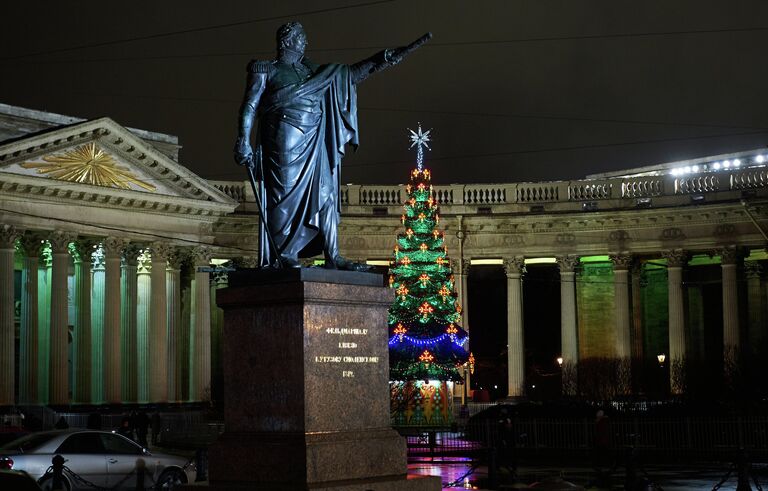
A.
x: 661, y: 358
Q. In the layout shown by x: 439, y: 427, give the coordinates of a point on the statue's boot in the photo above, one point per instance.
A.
x: 290, y: 262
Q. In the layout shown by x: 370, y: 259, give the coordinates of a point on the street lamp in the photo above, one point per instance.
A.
x: 559, y: 360
x: 661, y: 357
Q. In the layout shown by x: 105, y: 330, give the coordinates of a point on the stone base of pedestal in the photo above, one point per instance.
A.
x: 306, y: 387
x: 294, y: 460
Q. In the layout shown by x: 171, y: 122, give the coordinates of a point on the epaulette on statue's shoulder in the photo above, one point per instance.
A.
x: 261, y: 66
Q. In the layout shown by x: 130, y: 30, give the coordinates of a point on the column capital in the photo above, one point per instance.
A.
x: 8, y: 236
x: 676, y: 258
x: 131, y: 254
x: 752, y: 269
x: 113, y: 246
x: 176, y: 258
x: 621, y: 261
x: 82, y: 249
x: 729, y: 255
x: 464, y: 265
x: 201, y: 255
x: 32, y: 244
x: 160, y: 251
x: 60, y: 240
x: 567, y: 264
x: 143, y: 262
x: 514, y: 265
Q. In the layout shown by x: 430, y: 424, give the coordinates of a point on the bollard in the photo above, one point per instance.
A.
x: 743, y: 472
x: 493, y: 469
x: 141, y: 471
x: 201, y: 462
x: 58, y: 470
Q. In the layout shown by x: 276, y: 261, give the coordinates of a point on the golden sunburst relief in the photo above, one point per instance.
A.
x: 88, y: 164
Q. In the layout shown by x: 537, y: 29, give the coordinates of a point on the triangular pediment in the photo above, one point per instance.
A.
x: 100, y: 156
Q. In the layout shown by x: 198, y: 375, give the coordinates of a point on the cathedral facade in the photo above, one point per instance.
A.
x: 111, y: 252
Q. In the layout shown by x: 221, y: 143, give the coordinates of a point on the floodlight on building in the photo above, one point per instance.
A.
x: 589, y: 206
x: 760, y: 159
x: 643, y: 203
x: 726, y: 164
x: 695, y: 168
x: 687, y: 169
x: 716, y: 165
x: 736, y: 162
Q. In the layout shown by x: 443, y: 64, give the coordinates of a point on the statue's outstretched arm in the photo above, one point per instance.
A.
x: 253, y: 91
x: 385, y: 59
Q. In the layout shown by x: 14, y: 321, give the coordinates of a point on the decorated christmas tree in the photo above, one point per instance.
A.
x: 426, y: 344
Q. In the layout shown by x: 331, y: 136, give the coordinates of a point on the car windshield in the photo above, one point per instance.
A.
x: 27, y: 443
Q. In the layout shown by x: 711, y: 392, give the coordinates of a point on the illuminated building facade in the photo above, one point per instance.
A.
x: 110, y: 248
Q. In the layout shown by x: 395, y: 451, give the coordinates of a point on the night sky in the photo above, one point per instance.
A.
x: 515, y: 90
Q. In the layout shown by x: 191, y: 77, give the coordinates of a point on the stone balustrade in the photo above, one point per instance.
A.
x: 623, y: 189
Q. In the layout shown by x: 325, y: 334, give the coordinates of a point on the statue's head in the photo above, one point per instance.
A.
x: 291, y: 37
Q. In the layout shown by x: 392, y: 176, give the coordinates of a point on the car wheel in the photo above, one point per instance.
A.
x: 46, y: 484
x: 171, y: 479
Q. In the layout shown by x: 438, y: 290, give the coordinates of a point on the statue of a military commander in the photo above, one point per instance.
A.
x: 306, y: 114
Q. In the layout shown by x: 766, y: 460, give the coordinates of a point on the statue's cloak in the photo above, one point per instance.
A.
x: 303, y: 129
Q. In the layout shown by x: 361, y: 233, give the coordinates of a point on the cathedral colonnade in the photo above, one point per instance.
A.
x: 102, y: 320
x: 632, y: 307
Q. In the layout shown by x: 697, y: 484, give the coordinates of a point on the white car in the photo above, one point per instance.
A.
x: 94, y: 459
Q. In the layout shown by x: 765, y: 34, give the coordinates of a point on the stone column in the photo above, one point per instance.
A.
x: 173, y: 288
x: 729, y: 257
x: 569, y: 336
x: 142, y: 325
x: 82, y: 253
x: 184, y: 340
x: 462, y: 293
x: 28, y: 342
x: 200, y: 349
x: 676, y: 260
x: 755, y: 336
x: 158, y: 325
x: 111, y: 341
x: 220, y: 280
x: 59, y: 369
x: 97, y: 325
x: 8, y: 236
x: 513, y: 267
x: 128, y: 313
x: 44, y: 275
x: 637, y: 310
x: 621, y: 265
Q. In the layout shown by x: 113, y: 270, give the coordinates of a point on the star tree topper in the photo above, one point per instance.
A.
x: 420, y: 140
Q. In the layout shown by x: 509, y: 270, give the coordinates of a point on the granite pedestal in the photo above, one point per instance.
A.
x: 306, y: 385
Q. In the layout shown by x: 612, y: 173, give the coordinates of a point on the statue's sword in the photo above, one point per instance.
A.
x: 262, y: 210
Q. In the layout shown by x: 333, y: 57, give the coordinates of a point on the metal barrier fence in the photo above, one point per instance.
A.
x: 654, y: 439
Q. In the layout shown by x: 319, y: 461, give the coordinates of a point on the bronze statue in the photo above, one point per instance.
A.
x: 307, y: 114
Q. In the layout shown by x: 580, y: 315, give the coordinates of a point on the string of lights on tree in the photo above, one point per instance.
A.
x: 426, y: 341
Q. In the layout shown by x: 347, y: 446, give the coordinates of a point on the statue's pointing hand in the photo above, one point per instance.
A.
x: 396, y: 55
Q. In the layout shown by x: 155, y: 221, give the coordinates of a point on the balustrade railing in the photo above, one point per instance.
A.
x: 533, y: 193
x: 697, y: 184
x: 749, y: 178
x: 642, y: 187
x: 483, y: 195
